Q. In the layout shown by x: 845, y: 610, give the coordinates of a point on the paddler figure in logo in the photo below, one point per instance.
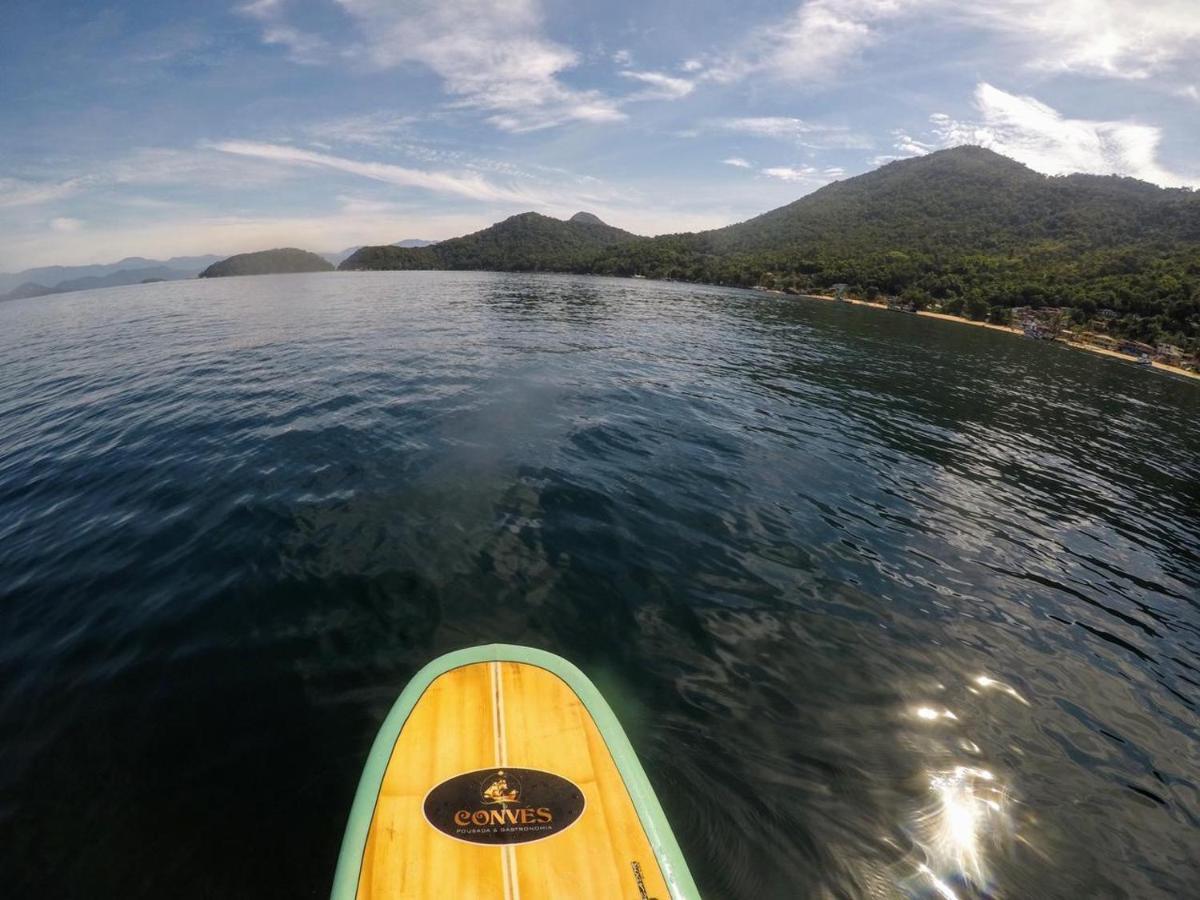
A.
x: 499, y: 790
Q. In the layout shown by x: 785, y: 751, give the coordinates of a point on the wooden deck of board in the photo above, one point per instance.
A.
x: 494, y: 715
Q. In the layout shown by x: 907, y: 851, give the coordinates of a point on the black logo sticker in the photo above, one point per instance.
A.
x: 504, y: 805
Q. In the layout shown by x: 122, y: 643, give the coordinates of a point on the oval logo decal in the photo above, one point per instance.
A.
x: 506, y: 805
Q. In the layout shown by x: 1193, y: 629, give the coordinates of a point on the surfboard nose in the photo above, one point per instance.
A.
x: 502, y: 772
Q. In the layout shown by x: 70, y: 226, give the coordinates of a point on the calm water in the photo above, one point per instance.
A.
x: 889, y: 607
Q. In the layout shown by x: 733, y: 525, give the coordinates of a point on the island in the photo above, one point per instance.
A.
x: 268, y: 262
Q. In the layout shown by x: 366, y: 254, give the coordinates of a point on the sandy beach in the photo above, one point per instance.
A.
x: 1077, y: 345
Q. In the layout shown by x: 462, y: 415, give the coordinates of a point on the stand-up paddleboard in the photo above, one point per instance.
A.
x: 502, y: 773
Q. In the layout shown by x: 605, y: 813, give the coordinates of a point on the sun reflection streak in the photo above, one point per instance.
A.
x: 929, y: 714
x: 989, y: 683
x: 969, y: 812
x: 938, y: 885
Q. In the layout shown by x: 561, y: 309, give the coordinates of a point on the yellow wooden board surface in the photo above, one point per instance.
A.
x: 497, y: 715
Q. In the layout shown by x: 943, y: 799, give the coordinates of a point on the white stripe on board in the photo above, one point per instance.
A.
x: 508, y: 853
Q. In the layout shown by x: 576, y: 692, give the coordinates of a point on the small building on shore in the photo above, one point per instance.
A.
x: 1045, y: 323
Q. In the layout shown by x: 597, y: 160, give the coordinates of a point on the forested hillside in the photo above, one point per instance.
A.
x: 268, y: 262
x: 964, y: 230
x: 529, y: 242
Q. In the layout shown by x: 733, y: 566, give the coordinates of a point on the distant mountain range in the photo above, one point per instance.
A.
x: 131, y: 270
x: 342, y: 255
x: 48, y: 280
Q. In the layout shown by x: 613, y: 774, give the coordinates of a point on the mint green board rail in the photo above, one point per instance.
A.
x: 649, y: 810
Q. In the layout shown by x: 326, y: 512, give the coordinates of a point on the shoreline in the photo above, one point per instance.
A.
x: 1066, y: 342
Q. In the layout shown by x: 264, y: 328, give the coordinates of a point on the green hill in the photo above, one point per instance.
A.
x: 529, y: 242
x: 268, y: 262
x: 970, y: 232
x: 965, y: 230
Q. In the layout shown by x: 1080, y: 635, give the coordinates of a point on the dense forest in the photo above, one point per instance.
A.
x: 268, y: 262
x: 529, y: 242
x: 966, y: 231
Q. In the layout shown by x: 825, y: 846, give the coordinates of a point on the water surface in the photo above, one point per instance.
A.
x: 888, y: 606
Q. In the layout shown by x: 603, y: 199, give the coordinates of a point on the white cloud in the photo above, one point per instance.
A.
x: 1119, y: 38
x: 623, y: 58
x: 463, y: 184
x: 812, y: 135
x: 1044, y: 139
x: 64, y: 224
x: 1115, y: 38
x: 804, y: 173
x: 737, y: 162
x: 661, y: 87
x: 811, y: 44
x: 491, y: 55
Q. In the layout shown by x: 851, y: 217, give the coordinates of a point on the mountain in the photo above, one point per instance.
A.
x: 53, y: 276
x: 342, y: 255
x: 586, y: 218
x: 336, y: 258
x: 965, y: 230
x: 121, y: 277
x: 525, y: 242
x: 28, y: 289
x: 90, y: 282
x: 268, y: 262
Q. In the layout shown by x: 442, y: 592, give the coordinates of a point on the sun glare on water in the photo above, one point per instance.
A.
x: 967, y: 816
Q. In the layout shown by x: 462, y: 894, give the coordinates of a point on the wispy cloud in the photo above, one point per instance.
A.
x: 302, y: 46
x: 812, y: 135
x: 1044, y: 139
x: 804, y: 173
x: 16, y: 192
x: 737, y: 162
x: 471, y: 185
x: 660, y: 86
x: 378, y: 129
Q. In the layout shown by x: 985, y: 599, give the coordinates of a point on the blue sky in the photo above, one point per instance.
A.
x: 168, y: 128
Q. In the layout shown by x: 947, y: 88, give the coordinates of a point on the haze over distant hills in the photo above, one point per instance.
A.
x: 131, y: 270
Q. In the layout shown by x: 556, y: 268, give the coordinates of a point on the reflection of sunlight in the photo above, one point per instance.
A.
x: 938, y: 885
x: 969, y: 811
x: 967, y: 816
x: 989, y: 683
x: 929, y: 714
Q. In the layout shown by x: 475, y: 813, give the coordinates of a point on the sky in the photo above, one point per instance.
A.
x: 166, y: 128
